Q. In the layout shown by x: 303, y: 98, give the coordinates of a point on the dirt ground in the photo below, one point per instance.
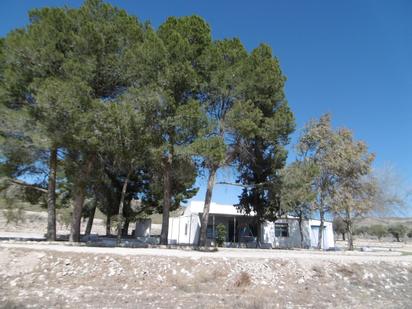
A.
x: 43, y: 275
x: 58, y: 275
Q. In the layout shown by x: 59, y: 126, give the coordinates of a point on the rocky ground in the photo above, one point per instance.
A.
x: 57, y: 275
x: 42, y: 275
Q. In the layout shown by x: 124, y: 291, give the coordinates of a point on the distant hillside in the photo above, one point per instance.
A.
x: 383, y: 220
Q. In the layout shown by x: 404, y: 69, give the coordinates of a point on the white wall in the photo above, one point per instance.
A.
x: 184, y: 230
x: 329, y: 238
x: 292, y: 241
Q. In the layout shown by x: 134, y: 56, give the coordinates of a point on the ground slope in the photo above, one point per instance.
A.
x: 46, y: 275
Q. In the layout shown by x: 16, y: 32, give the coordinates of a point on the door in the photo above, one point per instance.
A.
x: 231, y: 235
x: 314, y: 235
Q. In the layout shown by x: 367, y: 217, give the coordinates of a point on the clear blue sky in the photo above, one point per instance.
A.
x: 350, y: 58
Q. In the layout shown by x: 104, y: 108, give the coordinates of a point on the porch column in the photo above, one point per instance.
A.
x: 213, y: 227
x: 234, y: 229
x: 178, y: 233
x: 190, y: 229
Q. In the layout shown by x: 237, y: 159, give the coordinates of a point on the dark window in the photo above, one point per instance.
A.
x: 186, y: 229
x: 209, y: 232
x: 281, y: 230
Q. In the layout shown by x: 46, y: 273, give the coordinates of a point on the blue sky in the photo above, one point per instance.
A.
x: 350, y: 58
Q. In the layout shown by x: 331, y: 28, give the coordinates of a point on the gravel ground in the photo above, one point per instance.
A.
x: 42, y: 275
x: 37, y: 274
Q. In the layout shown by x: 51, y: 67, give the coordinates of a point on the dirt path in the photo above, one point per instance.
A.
x: 307, y: 256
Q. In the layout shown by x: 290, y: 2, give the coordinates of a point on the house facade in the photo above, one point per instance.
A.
x: 243, y: 230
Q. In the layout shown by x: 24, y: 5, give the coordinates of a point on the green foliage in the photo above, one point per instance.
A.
x: 14, y: 214
x: 409, y: 234
x: 361, y: 230
x: 220, y: 234
x: 64, y: 217
x: 297, y: 193
x: 398, y: 231
x: 261, y: 153
x: 134, y: 102
x: 343, y: 165
x: 339, y: 226
x: 378, y: 230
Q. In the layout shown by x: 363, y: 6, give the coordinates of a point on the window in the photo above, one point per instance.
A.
x: 186, y: 229
x: 281, y: 230
x: 210, y: 231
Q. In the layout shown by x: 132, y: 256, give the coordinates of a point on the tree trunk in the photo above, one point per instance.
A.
x: 51, y: 196
x: 343, y: 236
x: 90, y: 221
x: 80, y: 195
x: 301, y: 230
x: 120, y: 214
x: 125, y: 230
x: 350, y: 230
x: 322, y: 223
x: 206, y: 208
x: 167, y: 198
x: 108, y: 224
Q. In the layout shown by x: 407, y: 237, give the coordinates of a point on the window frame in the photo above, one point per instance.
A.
x: 281, y: 229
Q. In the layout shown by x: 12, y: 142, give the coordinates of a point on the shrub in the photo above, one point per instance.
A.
x: 378, y: 230
x: 340, y: 226
x: 243, y: 279
x: 410, y: 234
x: 397, y: 230
x: 361, y: 230
x: 64, y: 217
x: 220, y: 234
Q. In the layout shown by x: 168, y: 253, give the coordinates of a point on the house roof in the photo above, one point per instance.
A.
x: 196, y: 207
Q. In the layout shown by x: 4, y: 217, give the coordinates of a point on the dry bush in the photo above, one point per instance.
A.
x: 345, y: 270
x: 193, y: 283
x: 258, y: 299
x: 206, y: 275
x: 181, y: 281
x: 255, y: 303
x: 243, y: 280
x: 319, y: 271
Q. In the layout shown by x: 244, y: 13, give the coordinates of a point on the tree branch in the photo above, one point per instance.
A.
x: 241, y: 185
x: 22, y: 183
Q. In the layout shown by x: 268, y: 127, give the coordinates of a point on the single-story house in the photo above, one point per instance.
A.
x: 242, y: 229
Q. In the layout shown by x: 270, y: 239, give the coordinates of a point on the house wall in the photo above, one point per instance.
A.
x: 329, y: 238
x: 184, y: 230
x: 293, y: 239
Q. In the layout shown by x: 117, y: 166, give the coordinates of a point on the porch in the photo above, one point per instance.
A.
x: 241, y: 230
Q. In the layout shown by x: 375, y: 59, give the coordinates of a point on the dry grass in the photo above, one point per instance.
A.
x: 318, y: 270
x: 243, y: 280
x: 194, y: 283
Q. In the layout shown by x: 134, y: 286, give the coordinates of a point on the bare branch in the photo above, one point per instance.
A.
x: 22, y: 183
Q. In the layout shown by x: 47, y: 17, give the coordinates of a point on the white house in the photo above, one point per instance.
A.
x: 243, y: 229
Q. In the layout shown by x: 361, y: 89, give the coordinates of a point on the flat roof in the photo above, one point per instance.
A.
x: 196, y: 207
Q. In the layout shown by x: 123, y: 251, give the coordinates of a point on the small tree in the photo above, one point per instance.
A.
x: 361, y: 230
x: 378, y: 230
x: 340, y: 227
x: 296, y: 193
x: 220, y: 234
x: 398, y: 231
x: 410, y: 234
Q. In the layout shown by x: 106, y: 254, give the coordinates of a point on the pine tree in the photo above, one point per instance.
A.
x: 263, y: 122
